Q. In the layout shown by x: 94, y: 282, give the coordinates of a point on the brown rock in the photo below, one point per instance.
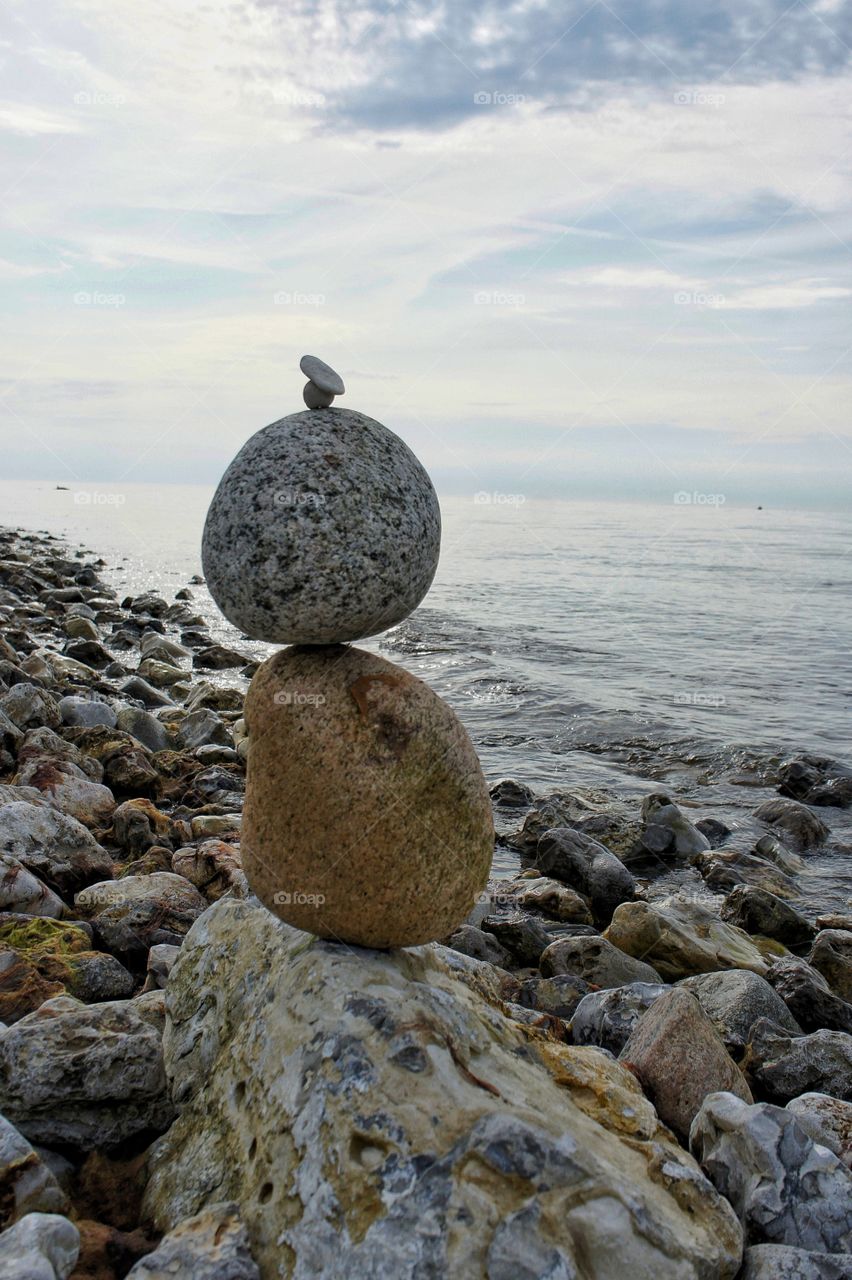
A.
x: 679, y: 1058
x: 367, y: 818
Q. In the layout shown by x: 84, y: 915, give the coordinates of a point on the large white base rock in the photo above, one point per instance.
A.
x: 378, y: 1114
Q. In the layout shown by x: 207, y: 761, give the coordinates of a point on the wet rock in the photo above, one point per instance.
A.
x: 212, y: 1245
x: 410, y: 1106
x: 806, y: 994
x: 580, y: 862
x: 509, y: 794
x: 162, y: 675
x: 658, y: 811
x: 144, y: 727
x: 607, y: 1018
x: 784, y: 1188
x: 831, y: 955
x: 734, y: 999
x: 551, y: 899
x: 786, y: 1066
x: 142, y: 691
x: 595, y: 960
x: 202, y: 728
x: 54, y: 846
x: 90, y: 652
x: 757, y: 911
x: 134, y: 913
x: 214, y: 697
x: 217, y: 657
x: 522, y: 935
x: 86, y: 712
x: 681, y: 937
x: 83, y: 1075
x: 214, y: 868
x: 42, y: 1246
x: 26, y: 1183
x: 724, y: 869
x: 714, y: 830
x: 785, y: 1262
x: 796, y: 823
x: 680, y: 1058
x: 28, y: 707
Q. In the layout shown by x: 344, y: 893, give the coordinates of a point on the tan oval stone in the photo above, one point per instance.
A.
x: 367, y: 818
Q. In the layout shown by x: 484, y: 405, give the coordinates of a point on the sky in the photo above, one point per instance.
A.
x: 563, y: 249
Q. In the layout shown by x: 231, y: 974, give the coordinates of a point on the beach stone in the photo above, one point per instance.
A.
x: 681, y: 937
x: 659, y: 811
x: 54, y: 846
x: 607, y: 1018
x: 212, y: 1245
x: 510, y: 794
x: 784, y: 1188
x: 552, y: 899
x: 587, y: 866
x: 524, y: 936
x: 21, y: 891
x: 325, y: 528
x: 680, y: 1058
x: 82, y: 1075
x: 595, y: 960
x: 828, y: 1121
x: 787, y: 1066
x: 65, y: 786
x: 27, y: 1185
x: 134, y: 913
x: 322, y: 375
x: 142, y: 691
x: 42, y: 1246
x: 28, y: 707
x: 794, y: 821
x: 86, y: 712
x: 831, y: 955
x: 203, y: 728
x: 734, y: 999
x: 161, y: 959
x: 316, y: 399
x: 471, y: 941
x: 785, y: 1262
x: 806, y: 994
x: 376, y: 1114
x: 144, y: 727
x: 366, y: 818
x: 757, y: 911
x: 214, y: 867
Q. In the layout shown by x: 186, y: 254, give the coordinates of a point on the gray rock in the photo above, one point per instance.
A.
x: 786, y: 1066
x: 86, y: 712
x: 21, y: 891
x: 203, y: 728
x: 152, y: 642
x: 142, y: 691
x: 509, y: 794
x: 795, y: 821
x: 161, y: 959
x: 375, y: 1114
x: 734, y: 999
x: 785, y: 1262
x: 784, y: 1188
x: 42, y: 1246
x: 314, y: 398
x: 83, y: 1075
x: 322, y: 375
x: 724, y: 870
x: 134, y: 913
x: 325, y: 528
x: 607, y: 1018
x: 595, y: 960
x: 54, y: 846
x: 523, y: 936
x: 26, y: 1183
x: 805, y: 993
x: 659, y: 811
x: 558, y: 996
x: 212, y: 1245
x: 588, y: 867
x: 757, y: 911
x: 831, y: 955
x: 28, y: 707
x: 471, y: 941
x: 828, y: 1120
x: 144, y: 727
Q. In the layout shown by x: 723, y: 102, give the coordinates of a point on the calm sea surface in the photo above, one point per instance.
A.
x: 624, y: 647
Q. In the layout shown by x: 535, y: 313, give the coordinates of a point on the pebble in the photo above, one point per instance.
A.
x: 322, y: 375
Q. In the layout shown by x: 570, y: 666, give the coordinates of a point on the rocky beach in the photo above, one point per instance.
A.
x: 589, y: 1078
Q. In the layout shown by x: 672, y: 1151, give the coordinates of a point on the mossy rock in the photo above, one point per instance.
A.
x: 41, y: 937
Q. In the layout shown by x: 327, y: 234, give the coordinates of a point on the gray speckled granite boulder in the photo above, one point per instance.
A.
x: 325, y: 528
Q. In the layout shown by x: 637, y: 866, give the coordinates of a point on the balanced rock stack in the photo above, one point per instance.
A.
x: 367, y: 817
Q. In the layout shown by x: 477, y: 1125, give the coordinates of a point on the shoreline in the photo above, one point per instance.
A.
x: 122, y: 772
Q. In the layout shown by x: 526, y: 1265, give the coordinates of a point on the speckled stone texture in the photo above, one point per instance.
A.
x: 367, y: 818
x: 325, y: 528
